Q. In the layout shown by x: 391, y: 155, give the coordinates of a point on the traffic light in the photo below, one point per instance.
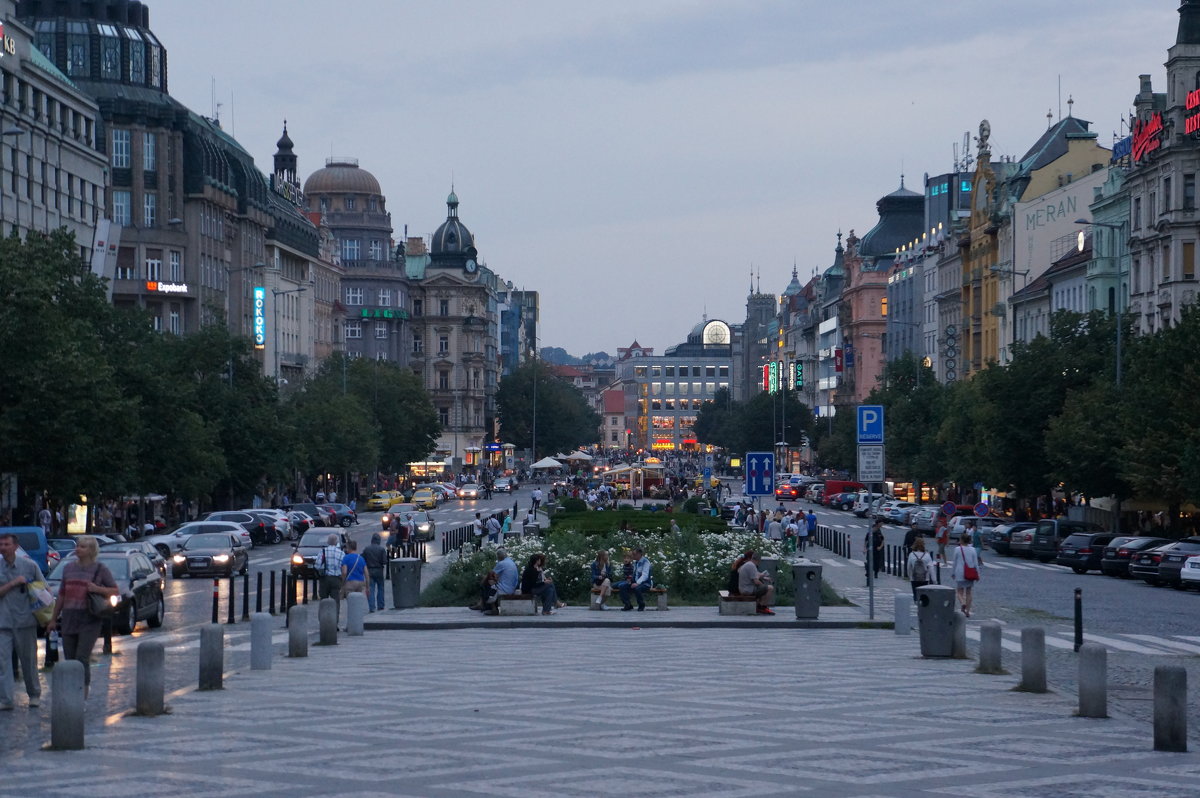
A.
x: 798, y: 368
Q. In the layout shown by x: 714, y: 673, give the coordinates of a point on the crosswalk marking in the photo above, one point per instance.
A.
x: 1121, y: 644
x: 1008, y: 645
x: 1149, y: 644
x: 833, y: 563
x: 1187, y: 647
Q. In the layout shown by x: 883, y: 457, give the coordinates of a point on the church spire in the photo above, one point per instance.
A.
x: 285, y: 158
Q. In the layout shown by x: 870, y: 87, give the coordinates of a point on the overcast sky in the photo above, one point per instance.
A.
x: 632, y: 159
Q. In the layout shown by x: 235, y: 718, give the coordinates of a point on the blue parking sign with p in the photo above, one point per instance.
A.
x: 870, y: 424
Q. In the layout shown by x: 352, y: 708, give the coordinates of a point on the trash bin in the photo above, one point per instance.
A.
x: 935, y: 618
x: 531, y: 529
x: 806, y: 581
x: 406, y: 582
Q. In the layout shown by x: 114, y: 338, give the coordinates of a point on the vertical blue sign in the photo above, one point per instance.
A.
x: 870, y: 424
x: 760, y: 473
x: 260, y: 317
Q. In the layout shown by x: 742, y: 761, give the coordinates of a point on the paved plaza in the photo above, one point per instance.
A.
x: 585, y: 712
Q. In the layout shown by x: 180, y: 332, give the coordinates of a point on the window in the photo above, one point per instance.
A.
x: 444, y: 380
x: 723, y: 371
x: 656, y: 404
x: 149, y: 152
x: 324, y: 204
x: 1166, y: 194
x: 156, y: 322
x: 656, y: 388
x: 349, y: 203
x: 1189, y: 192
x: 110, y: 53
x: 612, y: 421
x: 695, y: 371
x: 443, y: 307
x: 1189, y: 260
x: 372, y: 204
x: 354, y: 296
x: 381, y: 330
x: 669, y: 371
x: 710, y: 371
x: 640, y: 371
x: 176, y: 325
x: 149, y: 209
x: 154, y: 269
x: 613, y: 436
x: 443, y: 344
x: 1152, y: 206
x: 1135, y: 276
x: 77, y: 51
x: 120, y: 211
x: 1166, y: 262
x: 385, y: 297
x: 444, y: 416
x: 376, y: 249
x: 1137, y: 213
x: 418, y: 344
x: 655, y: 371
x: 696, y: 389
x: 883, y: 306
x: 176, y: 266
x: 137, y: 60
x: 354, y: 329
x: 350, y: 249
x: 418, y: 307
x: 120, y: 149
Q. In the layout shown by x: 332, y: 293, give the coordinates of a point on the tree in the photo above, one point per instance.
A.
x: 564, y: 418
x: 716, y: 421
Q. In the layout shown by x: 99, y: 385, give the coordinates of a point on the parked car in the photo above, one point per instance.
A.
x: 139, y: 582
x: 308, y: 549
x: 729, y: 507
x: 211, y: 554
x: 787, y: 492
x: 1144, y: 565
x: 57, y: 549
x: 254, y: 525
x: 1189, y: 575
x: 896, y: 511
x: 469, y: 491
x: 380, y: 500
x: 170, y: 542
x: 1082, y: 551
x: 301, y: 522
x: 504, y: 485
x: 1001, y: 538
x: 985, y: 525
x: 1020, y: 542
x: 923, y: 520
x: 275, y: 528
x: 33, y: 540
x: 1051, y: 532
x: 833, y: 486
x: 862, y: 502
x: 343, y: 516
x: 152, y: 554
x: 283, y: 524
x: 319, y: 514
x: 426, y: 525
x: 1120, y: 552
x: 842, y: 501
x: 815, y: 493
x: 1174, y: 556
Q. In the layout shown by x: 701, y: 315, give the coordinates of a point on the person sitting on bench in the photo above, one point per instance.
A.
x: 500, y: 581
x: 753, y: 582
x: 639, y: 584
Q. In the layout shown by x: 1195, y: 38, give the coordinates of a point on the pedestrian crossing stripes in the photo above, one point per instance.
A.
x: 1165, y: 645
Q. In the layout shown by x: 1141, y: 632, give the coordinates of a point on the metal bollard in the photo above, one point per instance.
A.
x: 1078, y: 618
x: 305, y: 589
x: 327, y: 613
x: 212, y: 657
x: 216, y: 600
x: 297, y: 618
x: 107, y: 631
x: 258, y: 595
x: 260, y: 642
x: 903, y: 614
x: 246, y: 596
x: 356, y: 613
x: 958, y: 639
x: 283, y: 587
x: 66, y: 706
x: 1033, y: 660
x: 1170, y: 708
x: 151, y: 678
x: 271, y: 595
x: 1093, y: 681
x: 232, y: 617
x: 989, y: 648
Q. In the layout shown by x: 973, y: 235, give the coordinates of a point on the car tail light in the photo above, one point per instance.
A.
x: 1084, y: 551
x: 1122, y: 552
x: 1155, y: 558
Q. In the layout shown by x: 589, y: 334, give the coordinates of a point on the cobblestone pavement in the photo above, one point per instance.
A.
x: 584, y: 712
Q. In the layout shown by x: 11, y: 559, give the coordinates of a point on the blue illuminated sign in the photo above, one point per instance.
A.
x: 260, y: 317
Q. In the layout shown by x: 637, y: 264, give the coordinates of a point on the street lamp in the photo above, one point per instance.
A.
x: 11, y: 132
x: 275, y: 307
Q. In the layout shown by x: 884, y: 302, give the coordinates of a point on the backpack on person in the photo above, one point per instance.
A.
x: 920, y: 571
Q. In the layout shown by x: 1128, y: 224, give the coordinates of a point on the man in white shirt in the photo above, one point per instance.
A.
x: 640, y: 583
x: 752, y: 582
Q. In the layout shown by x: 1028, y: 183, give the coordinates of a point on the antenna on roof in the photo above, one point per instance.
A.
x: 1060, y: 98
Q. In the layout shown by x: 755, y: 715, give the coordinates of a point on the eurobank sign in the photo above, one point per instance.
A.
x: 260, y: 317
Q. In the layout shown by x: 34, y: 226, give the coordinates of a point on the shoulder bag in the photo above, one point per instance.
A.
x: 970, y: 572
x: 99, y: 606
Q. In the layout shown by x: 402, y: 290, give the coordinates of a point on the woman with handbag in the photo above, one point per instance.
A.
x: 601, y: 578
x: 82, y: 604
x: 966, y: 572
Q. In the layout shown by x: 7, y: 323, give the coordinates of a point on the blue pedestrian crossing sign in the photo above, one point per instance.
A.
x: 760, y: 473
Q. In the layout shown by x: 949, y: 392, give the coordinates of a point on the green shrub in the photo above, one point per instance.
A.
x: 596, y: 522
x: 568, y: 504
x: 692, y: 505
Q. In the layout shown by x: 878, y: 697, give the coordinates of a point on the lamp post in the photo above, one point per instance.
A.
x: 1119, y: 312
x: 11, y: 132
x: 275, y: 307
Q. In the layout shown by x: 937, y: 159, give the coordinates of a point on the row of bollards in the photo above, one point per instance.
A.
x: 67, y: 677
x: 943, y: 634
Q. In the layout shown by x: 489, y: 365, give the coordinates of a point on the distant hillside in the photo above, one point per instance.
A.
x: 561, y: 357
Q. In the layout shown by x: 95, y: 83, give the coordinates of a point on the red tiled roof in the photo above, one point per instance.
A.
x: 614, y: 402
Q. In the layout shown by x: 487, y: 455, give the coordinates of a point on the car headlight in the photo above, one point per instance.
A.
x: 423, y: 527
x: 179, y: 558
x: 385, y: 519
x: 297, y: 559
x: 221, y: 558
x: 114, y: 599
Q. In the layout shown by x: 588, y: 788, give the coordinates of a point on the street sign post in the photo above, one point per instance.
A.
x: 949, y: 509
x: 760, y: 473
x: 870, y: 463
x: 982, y: 509
x: 870, y: 424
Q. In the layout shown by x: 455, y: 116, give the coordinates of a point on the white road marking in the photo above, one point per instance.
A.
x: 1162, y: 641
x: 1122, y: 645
x: 1005, y: 643
x: 834, y: 563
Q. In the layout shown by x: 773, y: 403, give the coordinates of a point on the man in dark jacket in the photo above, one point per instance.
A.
x: 376, y: 558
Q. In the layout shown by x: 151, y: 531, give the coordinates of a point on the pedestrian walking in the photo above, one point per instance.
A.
x: 966, y: 573
x: 329, y: 568
x: 376, y: 558
x: 18, y: 627
x: 941, y: 534
x: 73, y: 616
x: 809, y: 533
x: 920, y: 566
x: 873, y: 550
x: 354, y: 572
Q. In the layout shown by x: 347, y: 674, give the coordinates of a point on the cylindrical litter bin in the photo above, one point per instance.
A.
x: 935, y: 618
x: 806, y: 581
x: 530, y: 529
x: 406, y: 582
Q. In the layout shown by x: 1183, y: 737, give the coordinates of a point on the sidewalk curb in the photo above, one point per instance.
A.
x: 650, y: 623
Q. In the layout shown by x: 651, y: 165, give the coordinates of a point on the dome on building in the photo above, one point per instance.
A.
x: 285, y: 143
x: 342, y: 176
x: 794, y: 286
x: 901, y: 219
x: 452, y: 237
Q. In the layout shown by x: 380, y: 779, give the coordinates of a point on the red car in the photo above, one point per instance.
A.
x: 787, y: 492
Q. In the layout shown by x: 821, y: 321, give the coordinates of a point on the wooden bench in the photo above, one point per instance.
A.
x: 516, y: 604
x: 659, y: 593
x: 728, y: 604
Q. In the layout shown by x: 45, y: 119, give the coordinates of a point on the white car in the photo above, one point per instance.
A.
x: 172, y: 542
x: 282, y: 524
x: 1189, y: 576
x: 864, y: 500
